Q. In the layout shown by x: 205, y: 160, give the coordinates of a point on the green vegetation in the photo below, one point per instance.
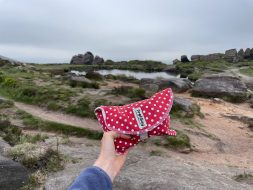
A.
x: 81, y: 108
x: 94, y: 76
x: 156, y: 153
x: 36, y: 123
x: 13, y: 134
x: 245, y: 177
x: 123, y: 78
x: 35, y: 180
x: 248, y: 71
x: 84, y: 84
x: 181, y: 141
x: 131, y: 92
x: 6, y: 104
x: 35, y: 157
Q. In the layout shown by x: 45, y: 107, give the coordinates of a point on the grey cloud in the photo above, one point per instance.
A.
x: 54, y: 30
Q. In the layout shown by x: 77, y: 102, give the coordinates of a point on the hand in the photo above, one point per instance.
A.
x: 108, y: 160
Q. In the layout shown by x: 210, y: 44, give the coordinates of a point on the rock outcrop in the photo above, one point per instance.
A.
x: 86, y: 59
x: 247, y: 53
x: 6, y: 60
x: 185, y: 106
x: 98, y: 60
x: 209, y: 57
x: 177, y: 84
x: 231, y: 56
x: 184, y: 59
x: 223, y: 86
x: 175, y: 61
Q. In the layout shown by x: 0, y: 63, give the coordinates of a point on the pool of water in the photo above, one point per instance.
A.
x: 137, y: 74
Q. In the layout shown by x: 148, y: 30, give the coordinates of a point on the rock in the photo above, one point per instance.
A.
x: 149, y: 86
x: 12, y: 174
x: 98, y: 61
x: 196, y: 57
x: 80, y: 79
x: 6, y: 60
x: 185, y: 105
x: 244, y: 119
x: 175, y: 61
x: 251, y: 53
x: 247, y: 53
x: 184, y: 59
x: 231, y: 56
x: 171, y: 69
x: 218, y: 101
x: 2, y: 100
x: 88, y: 58
x: 223, y: 86
x: 80, y: 59
x: 241, y: 55
x: 209, y: 57
x: 177, y: 84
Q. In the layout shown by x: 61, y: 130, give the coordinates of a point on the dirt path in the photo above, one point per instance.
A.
x: 235, y: 139
x: 59, y: 117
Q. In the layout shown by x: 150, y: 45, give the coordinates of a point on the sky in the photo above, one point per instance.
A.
x: 52, y: 31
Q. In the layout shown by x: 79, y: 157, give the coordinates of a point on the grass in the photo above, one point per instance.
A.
x: 248, y: 71
x: 6, y: 104
x: 181, y: 141
x: 245, y: 177
x: 123, y: 78
x: 129, y: 91
x: 36, y: 123
x: 155, y: 153
x: 13, y: 134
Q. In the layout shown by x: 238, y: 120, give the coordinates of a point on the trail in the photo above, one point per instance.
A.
x: 59, y: 117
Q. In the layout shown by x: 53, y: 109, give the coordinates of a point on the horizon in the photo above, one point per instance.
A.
x: 53, y: 31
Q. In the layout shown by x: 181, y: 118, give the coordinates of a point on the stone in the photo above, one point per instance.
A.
x: 80, y: 79
x: 12, y: 174
x: 185, y: 105
x: 170, y: 69
x: 98, y: 61
x: 175, y: 61
x: 247, y: 53
x: 177, y: 84
x: 223, y: 86
x: 184, y: 59
x: 80, y: 59
x: 231, y: 55
x: 196, y: 57
x: 6, y: 60
x: 251, y: 53
x: 88, y: 58
x: 241, y: 55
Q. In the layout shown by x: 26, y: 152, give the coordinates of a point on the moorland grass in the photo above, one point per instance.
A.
x: 37, y: 123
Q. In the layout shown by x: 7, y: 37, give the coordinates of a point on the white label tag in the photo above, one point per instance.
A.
x: 139, y: 118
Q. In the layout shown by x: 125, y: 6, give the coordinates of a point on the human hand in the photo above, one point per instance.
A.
x: 108, y: 159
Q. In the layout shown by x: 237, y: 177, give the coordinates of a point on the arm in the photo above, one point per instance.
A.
x: 105, y: 169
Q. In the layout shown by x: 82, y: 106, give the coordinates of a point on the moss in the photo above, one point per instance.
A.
x: 181, y: 141
x: 156, y: 153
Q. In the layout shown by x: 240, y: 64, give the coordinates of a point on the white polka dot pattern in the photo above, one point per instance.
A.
x: 152, y: 117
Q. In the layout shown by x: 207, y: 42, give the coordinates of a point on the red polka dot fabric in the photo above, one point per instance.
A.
x: 141, y: 119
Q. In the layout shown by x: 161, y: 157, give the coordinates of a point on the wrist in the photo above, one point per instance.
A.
x: 107, y: 166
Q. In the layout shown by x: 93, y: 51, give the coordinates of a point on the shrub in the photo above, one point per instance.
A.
x: 82, y: 108
x: 29, y: 91
x: 94, y: 75
x: 6, y: 104
x: 10, y: 82
x: 129, y: 91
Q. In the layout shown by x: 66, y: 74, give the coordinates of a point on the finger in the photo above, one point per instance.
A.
x: 114, y: 134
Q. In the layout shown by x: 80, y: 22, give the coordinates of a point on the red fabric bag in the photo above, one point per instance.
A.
x: 141, y: 119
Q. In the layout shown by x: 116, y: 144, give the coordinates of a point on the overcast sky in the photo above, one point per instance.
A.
x: 54, y: 30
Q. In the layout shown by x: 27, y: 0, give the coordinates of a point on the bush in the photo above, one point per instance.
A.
x: 82, y: 108
x: 129, y: 91
x: 10, y: 82
x: 94, y: 75
x: 29, y: 91
x: 6, y: 104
